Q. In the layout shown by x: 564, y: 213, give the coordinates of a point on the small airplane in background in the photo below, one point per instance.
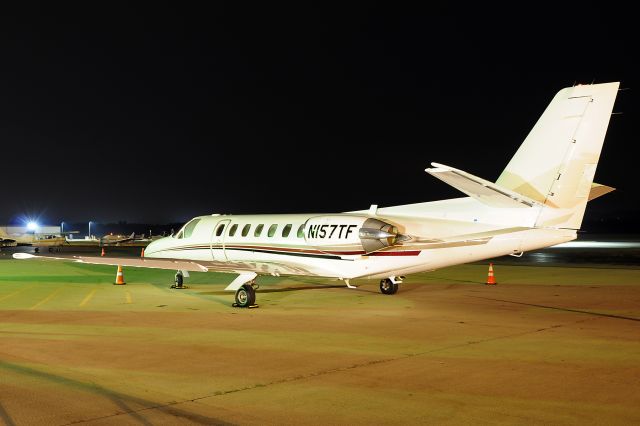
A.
x: 34, y: 239
x: 538, y: 201
x: 114, y: 240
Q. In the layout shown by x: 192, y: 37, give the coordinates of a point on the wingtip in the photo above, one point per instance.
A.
x: 22, y: 256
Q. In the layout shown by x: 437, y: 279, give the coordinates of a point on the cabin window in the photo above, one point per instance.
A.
x: 189, y: 227
x: 220, y: 230
x: 233, y: 229
x: 258, y: 230
x: 180, y: 235
x: 245, y: 230
x: 272, y: 230
x: 286, y: 230
x: 301, y: 231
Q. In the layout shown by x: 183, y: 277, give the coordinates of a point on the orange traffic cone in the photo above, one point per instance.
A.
x: 491, y: 280
x: 119, y: 277
x: 102, y: 252
x: 142, y: 252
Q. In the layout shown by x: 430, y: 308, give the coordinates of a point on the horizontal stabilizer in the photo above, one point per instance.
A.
x: 598, y: 190
x: 482, y: 190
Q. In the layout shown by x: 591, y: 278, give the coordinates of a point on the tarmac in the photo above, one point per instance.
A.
x: 547, y: 345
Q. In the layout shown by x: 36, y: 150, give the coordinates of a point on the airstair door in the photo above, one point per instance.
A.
x: 217, y: 240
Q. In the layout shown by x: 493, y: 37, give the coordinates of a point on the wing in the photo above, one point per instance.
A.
x: 263, y: 268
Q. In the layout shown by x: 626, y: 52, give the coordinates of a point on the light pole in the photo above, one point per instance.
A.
x: 89, y: 229
x: 62, y: 227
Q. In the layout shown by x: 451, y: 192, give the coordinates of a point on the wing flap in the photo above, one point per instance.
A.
x: 482, y: 190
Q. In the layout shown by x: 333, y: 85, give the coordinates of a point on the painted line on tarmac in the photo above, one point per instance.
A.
x: 128, y: 297
x: 6, y: 296
x: 46, y: 299
x: 88, y: 297
x: 599, y: 314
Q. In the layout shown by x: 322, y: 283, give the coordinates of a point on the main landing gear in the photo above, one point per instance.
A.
x: 390, y: 285
x: 179, y: 280
x: 246, y: 296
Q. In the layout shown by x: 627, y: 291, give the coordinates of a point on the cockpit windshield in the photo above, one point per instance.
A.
x: 187, y: 230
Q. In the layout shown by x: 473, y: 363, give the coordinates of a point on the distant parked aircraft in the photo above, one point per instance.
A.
x: 35, y: 239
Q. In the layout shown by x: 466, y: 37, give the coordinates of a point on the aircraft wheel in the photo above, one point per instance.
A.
x: 36, y: 250
x: 388, y: 287
x: 245, y: 296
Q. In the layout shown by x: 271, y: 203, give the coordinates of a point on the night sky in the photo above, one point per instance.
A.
x: 160, y: 114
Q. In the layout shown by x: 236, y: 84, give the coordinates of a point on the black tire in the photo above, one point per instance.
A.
x: 37, y: 250
x: 179, y: 280
x: 245, y: 296
x: 388, y: 287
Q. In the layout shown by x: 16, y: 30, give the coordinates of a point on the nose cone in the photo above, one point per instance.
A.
x: 155, y: 247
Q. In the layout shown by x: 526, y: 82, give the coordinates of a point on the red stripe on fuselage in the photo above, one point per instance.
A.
x: 396, y: 253
x: 309, y: 251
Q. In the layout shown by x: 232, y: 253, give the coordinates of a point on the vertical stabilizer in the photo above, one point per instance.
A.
x: 556, y: 163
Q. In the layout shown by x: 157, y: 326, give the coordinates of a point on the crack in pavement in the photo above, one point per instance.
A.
x: 599, y: 314
x: 376, y: 361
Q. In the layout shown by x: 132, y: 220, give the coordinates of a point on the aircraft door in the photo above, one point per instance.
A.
x: 217, y: 240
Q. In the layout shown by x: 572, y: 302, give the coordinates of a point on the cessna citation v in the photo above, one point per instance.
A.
x: 538, y: 201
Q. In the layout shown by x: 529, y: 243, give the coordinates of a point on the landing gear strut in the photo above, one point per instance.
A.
x: 388, y: 287
x: 245, y: 296
x: 179, y: 280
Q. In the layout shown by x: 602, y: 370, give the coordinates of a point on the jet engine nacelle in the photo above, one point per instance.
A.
x: 344, y: 234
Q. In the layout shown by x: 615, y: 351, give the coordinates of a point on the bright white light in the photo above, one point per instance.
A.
x: 32, y: 226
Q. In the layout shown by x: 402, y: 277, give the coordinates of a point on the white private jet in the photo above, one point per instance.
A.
x: 538, y: 201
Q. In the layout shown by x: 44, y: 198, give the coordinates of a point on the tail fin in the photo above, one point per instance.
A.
x: 556, y: 163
